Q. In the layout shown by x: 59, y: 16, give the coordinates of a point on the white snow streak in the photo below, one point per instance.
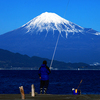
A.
x: 51, y: 21
x: 97, y: 33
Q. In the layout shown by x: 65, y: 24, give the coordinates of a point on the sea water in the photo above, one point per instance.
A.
x: 60, y: 81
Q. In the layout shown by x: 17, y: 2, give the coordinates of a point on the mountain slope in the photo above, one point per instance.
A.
x: 38, y: 38
x: 51, y: 21
x: 10, y: 61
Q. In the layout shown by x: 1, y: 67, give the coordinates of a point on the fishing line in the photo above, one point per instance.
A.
x: 66, y: 8
x: 57, y: 39
x: 54, y: 50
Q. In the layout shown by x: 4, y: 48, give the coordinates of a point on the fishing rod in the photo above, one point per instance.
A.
x: 54, y: 50
x: 57, y: 40
x: 76, y: 91
x: 79, y: 84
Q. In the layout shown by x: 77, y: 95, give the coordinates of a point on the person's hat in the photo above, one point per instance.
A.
x: 45, y: 62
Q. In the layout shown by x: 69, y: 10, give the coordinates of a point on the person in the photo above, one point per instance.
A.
x: 44, y: 72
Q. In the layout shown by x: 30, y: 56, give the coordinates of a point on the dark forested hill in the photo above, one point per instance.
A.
x: 9, y: 60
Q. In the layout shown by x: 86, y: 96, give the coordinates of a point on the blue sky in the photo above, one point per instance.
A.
x: 15, y: 13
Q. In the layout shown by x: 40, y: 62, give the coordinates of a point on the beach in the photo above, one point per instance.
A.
x: 49, y: 97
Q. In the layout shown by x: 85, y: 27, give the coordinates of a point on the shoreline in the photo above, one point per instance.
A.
x: 50, y: 97
x: 13, y: 69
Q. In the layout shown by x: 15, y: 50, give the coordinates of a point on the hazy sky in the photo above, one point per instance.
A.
x: 15, y: 13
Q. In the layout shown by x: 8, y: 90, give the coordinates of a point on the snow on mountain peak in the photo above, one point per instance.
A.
x: 47, y: 21
x: 49, y: 17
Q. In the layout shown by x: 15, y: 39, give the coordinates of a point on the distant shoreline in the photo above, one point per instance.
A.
x: 52, y: 70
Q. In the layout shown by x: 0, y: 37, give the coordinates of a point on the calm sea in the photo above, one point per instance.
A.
x: 61, y: 81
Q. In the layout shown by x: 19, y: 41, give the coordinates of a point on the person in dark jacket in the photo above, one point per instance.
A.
x: 44, y: 72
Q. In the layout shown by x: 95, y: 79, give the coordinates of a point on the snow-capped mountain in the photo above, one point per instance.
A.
x: 51, y: 21
x: 38, y: 38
